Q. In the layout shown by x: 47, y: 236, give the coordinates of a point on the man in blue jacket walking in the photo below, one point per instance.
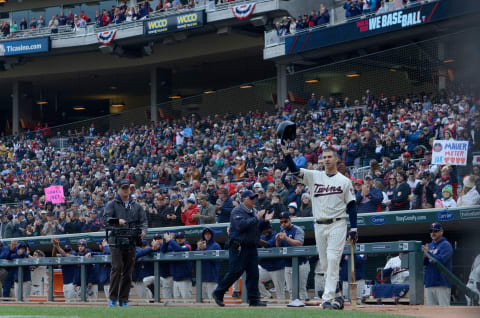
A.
x: 243, y: 239
x: 210, y: 268
x: 438, y: 288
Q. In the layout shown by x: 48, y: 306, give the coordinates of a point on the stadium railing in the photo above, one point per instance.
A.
x: 414, y: 262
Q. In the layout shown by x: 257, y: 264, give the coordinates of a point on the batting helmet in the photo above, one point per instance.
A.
x: 287, y: 130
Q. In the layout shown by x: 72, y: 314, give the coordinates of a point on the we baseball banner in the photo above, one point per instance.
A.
x: 106, y: 37
x: 54, y: 194
x: 450, y: 152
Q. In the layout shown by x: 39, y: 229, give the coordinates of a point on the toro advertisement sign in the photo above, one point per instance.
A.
x: 408, y: 17
x: 175, y: 23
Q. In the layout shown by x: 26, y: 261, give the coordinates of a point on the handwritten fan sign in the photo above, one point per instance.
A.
x: 54, y: 194
x: 450, y: 152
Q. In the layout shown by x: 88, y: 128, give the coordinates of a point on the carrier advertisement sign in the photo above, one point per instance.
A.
x: 9, y: 48
x: 373, y: 25
x: 176, y: 23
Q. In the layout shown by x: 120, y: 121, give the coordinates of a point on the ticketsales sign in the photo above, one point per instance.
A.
x: 176, y: 23
x: 20, y: 47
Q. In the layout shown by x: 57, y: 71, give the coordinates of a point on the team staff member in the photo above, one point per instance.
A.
x: 21, y: 252
x: 438, y: 288
x: 332, y: 198
x: 244, y: 236
x: 292, y: 235
x: 130, y: 214
x: 69, y: 272
x: 210, y: 268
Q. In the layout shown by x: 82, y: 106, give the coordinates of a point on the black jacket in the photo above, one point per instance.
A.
x: 244, y: 226
x: 400, y: 197
x: 132, y: 213
x: 431, y: 190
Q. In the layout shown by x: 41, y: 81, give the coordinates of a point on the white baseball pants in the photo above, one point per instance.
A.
x: 330, y: 241
x: 278, y: 278
x: 304, y: 269
x: 27, y: 286
x: 207, y: 289
x: 182, y: 289
x: 438, y: 296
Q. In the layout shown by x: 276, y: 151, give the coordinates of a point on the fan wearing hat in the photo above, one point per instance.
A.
x: 437, y: 286
x: 425, y: 191
x: 292, y: 235
x: 181, y: 271
x: 244, y: 236
x: 469, y: 196
x: 129, y: 214
x: 447, y: 200
x: 69, y: 272
x: 188, y: 211
x: 207, y: 210
x: 20, y: 250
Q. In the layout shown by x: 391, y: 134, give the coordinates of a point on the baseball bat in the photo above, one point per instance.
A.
x: 353, y: 284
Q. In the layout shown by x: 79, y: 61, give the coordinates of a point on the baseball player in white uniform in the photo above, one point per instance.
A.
x: 332, y: 198
x: 398, y: 274
x: 474, y: 280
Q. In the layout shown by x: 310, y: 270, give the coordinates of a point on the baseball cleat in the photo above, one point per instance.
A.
x: 338, y: 303
x: 327, y: 305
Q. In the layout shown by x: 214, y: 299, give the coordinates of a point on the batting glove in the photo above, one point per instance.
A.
x: 352, y: 235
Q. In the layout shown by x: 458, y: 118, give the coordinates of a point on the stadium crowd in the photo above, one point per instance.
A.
x: 192, y: 171
x: 290, y: 25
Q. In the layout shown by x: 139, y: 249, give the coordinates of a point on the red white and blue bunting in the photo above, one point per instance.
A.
x: 106, y: 37
x: 244, y: 11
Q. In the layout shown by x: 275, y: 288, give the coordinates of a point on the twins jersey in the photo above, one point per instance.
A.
x: 399, y: 275
x: 330, y: 195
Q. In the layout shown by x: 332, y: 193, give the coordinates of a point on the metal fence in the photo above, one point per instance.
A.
x: 414, y: 262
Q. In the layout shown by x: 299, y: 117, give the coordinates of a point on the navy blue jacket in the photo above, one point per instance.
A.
x: 210, y: 268
x: 271, y: 264
x: 442, y: 252
x: 92, y: 275
x: 244, y: 226
x: 26, y: 269
x: 360, y: 262
x: 370, y: 202
x: 225, y: 211
x: 181, y: 270
x: 103, y: 270
x: 69, y: 273
x: 145, y: 268
x: 296, y: 233
x: 4, y: 251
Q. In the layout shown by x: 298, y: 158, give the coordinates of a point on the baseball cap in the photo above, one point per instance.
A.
x: 201, y: 197
x: 179, y: 235
x: 436, y: 226
x: 359, y: 181
x: 191, y: 200
x: 424, y: 163
x: 257, y: 185
x: 293, y: 205
x: 249, y: 194
x: 157, y: 236
x: 67, y: 248
x: 49, y: 213
x: 284, y: 215
x: 407, y: 154
x: 82, y: 242
x: 448, y: 188
x: 174, y: 197
x: 368, y: 176
x: 21, y: 245
x: 124, y: 182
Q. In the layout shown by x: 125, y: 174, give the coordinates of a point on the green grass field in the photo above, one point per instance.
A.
x: 175, y: 312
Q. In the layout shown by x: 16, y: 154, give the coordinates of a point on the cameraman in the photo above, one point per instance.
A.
x: 130, y: 215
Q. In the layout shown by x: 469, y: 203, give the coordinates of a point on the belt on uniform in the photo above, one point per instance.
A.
x: 329, y: 221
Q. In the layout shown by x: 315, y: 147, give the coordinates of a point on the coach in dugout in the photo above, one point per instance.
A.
x: 129, y: 214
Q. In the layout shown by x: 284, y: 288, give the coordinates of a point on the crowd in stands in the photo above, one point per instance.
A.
x: 78, y: 20
x: 355, y: 8
x: 193, y: 170
x: 290, y: 25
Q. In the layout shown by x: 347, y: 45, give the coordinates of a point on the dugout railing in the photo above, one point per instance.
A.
x: 413, y: 261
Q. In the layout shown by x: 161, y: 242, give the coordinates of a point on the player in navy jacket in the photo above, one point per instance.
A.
x: 210, y: 268
x: 181, y: 270
x: 21, y: 252
x: 438, y: 288
x: 92, y: 275
x: 5, y: 254
x: 270, y: 268
x: 103, y: 270
x: 69, y: 272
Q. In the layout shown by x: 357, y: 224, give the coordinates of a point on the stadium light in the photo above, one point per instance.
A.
x: 42, y: 102
x: 120, y: 104
x: 312, y: 81
x: 79, y: 108
x: 247, y: 86
x: 448, y: 61
x: 175, y: 97
x: 209, y: 91
x: 352, y: 74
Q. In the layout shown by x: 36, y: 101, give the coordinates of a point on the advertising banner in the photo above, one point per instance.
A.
x: 54, y: 194
x: 30, y: 46
x: 450, y: 152
x: 174, y: 23
x: 373, y: 25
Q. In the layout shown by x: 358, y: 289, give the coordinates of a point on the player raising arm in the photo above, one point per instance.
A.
x: 332, y: 199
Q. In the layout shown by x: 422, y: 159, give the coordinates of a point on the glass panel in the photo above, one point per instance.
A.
x: 107, y: 5
x: 18, y: 15
x: 49, y: 12
x: 90, y: 10
x: 153, y: 4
